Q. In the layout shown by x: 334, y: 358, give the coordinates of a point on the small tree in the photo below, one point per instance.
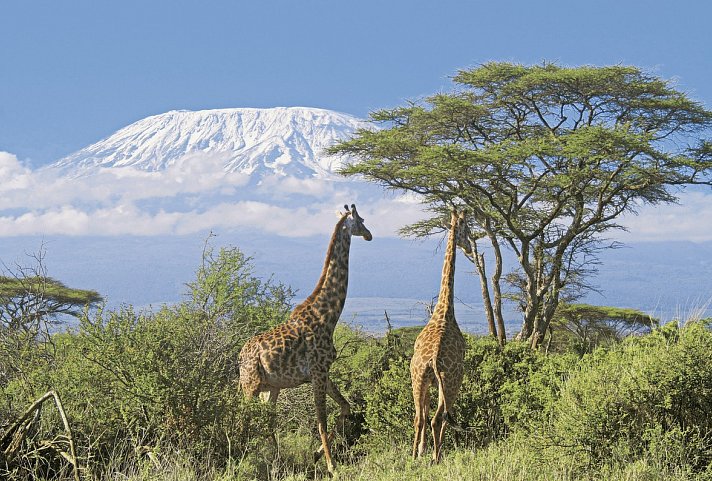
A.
x: 586, y: 326
x: 545, y: 159
x: 31, y: 303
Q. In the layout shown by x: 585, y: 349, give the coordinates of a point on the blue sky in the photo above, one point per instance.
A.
x: 74, y: 72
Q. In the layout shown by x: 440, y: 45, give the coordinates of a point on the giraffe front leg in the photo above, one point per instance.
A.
x: 319, y: 384
x: 345, y: 411
x: 344, y: 406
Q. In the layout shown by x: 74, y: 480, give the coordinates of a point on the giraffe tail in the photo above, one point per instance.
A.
x: 455, y: 425
x: 447, y: 416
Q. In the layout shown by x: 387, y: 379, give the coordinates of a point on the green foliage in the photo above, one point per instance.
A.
x: 489, y: 370
x: 13, y: 287
x: 227, y: 293
x: 649, y: 391
x: 513, y: 459
x: 503, y: 389
x: 545, y: 159
x: 167, y: 377
x: 389, y: 406
x: 163, y: 384
x: 528, y: 398
x: 31, y: 305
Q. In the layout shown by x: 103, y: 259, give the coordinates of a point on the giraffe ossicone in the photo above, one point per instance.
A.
x: 302, y: 349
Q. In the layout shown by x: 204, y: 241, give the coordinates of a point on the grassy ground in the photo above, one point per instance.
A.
x: 506, y: 461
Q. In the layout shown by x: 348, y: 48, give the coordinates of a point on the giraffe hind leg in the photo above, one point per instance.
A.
x: 438, y: 422
x: 422, y: 401
x: 344, y: 406
x: 423, y: 429
x: 448, y: 388
x: 437, y: 425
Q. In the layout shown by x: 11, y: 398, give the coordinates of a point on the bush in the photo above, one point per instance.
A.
x: 488, y: 369
x: 167, y: 378
x: 164, y: 383
x: 648, y: 392
x: 389, y: 406
x: 503, y: 389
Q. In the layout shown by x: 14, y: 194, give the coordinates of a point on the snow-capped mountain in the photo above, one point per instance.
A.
x: 284, y: 141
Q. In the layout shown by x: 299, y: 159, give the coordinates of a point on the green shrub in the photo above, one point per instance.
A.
x: 532, y: 387
x: 488, y: 368
x: 164, y: 383
x: 631, y: 400
x: 170, y: 377
x: 503, y: 389
x: 389, y: 406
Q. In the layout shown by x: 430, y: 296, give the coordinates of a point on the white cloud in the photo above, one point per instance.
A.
x: 313, y: 187
x: 195, y: 194
x: 690, y: 220
x: 13, y: 175
x: 192, y: 195
x: 49, y: 188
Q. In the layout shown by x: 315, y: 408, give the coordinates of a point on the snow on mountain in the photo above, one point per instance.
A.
x: 287, y: 141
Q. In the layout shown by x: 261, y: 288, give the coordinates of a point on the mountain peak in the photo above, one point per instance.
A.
x: 279, y: 140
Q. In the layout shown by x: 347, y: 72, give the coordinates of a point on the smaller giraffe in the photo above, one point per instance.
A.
x: 439, y: 352
x: 302, y: 349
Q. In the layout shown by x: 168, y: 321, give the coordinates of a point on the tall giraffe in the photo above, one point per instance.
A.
x: 302, y: 349
x: 440, y: 351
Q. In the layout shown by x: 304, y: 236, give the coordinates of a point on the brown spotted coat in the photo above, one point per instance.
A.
x: 302, y: 350
x: 439, y: 351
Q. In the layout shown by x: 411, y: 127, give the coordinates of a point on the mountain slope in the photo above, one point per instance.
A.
x: 284, y: 141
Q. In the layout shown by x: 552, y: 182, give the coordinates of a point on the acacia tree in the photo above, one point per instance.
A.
x: 31, y: 303
x: 586, y: 326
x: 545, y: 159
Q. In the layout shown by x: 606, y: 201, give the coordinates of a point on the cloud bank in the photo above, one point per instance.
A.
x: 193, y: 195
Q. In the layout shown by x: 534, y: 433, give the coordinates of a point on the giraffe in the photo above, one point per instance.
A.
x: 440, y: 351
x: 302, y: 349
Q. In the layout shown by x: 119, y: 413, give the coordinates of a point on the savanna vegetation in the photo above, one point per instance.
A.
x: 544, y: 159
x: 154, y: 395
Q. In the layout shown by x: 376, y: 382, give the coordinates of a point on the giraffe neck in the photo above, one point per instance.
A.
x: 330, y: 293
x: 446, y: 298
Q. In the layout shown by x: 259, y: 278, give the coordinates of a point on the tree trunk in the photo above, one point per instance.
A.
x: 530, y: 294
x: 479, y: 260
x: 549, y: 297
x: 496, y: 277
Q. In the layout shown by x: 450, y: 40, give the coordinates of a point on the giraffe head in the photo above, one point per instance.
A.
x: 458, y: 222
x: 355, y: 223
